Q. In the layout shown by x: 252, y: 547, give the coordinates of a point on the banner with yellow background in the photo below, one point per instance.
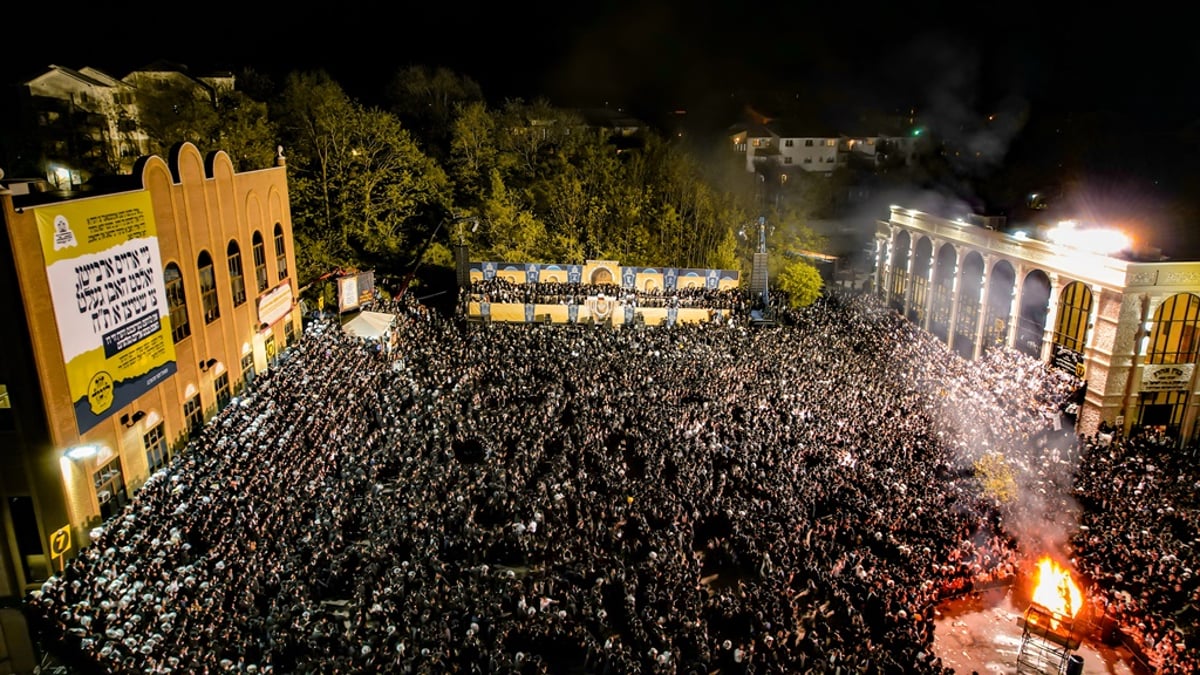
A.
x: 110, y: 304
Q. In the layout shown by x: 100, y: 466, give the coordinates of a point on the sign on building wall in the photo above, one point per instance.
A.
x: 276, y: 304
x: 110, y: 303
x: 1166, y: 376
x: 1068, y: 359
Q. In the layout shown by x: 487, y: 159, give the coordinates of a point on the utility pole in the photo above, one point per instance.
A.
x: 424, y: 249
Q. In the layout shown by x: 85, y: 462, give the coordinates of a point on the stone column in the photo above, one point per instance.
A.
x: 880, y: 272
x: 956, y: 289
x: 908, y: 278
x: 1052, y: 316
x: 1014, y: 320
x: 929, y: 290
x: 981, y: 324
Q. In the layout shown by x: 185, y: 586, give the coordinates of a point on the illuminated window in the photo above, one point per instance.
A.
x: 280, y: 253
x: 110, y: 488
x: 237, y: 280
x: 1074, y: 309
x: 193, y: 414
x: 4, y: 402
x: 208, y: 288
x: 177, y: 303
x: 260, y: 262
x: 248, y: 367
x: 222, y: 386
x: 155, y: 443
x: 1176, y: 323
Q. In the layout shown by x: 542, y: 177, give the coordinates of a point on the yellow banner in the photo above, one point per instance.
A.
x: 110, y: 304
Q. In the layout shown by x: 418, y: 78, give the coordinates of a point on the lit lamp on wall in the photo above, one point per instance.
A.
x: 82, y: 452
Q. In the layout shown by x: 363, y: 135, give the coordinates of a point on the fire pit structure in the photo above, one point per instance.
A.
x: 1051, y: 626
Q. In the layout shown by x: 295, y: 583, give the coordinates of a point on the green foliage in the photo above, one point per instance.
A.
x: 362, y: 191
x: 374, y: 188
x: 474, y: 152
x: 425, y: 99
x: 801, y: 281
x: 245, y: 132
x: 513, y: 232
x: 177, y: 109
x: 996, y: 477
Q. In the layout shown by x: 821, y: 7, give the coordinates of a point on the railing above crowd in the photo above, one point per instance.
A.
x: 505, y: 301
x: 498, y: 290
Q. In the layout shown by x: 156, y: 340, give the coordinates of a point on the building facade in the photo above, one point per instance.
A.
x: 781, y: 148
x: 134, y: 318
x: 1130, y: 328
x: 76, y: 123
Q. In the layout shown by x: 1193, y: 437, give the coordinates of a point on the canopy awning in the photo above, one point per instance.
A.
x: 373, y: 325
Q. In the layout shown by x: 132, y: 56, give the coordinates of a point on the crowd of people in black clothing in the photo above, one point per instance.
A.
x: 500, y: 290
x: 569, y: 498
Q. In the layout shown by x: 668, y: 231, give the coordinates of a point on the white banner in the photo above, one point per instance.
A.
x: 347, y: 293
x: 1166, y: 376
x: 275, y: 305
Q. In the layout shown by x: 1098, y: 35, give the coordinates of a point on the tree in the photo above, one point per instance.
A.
x: 173, y: 110
x: 539, y: 137
x: 802, y: 283
x: 513, y: 232
x: 244, y: 131
x: 996, y: 477
x: 393, y: 195
x: 177, y: 109
x: 474, y: 152
x: 363, y: 193
x: 425, y: 99
x: 309, y: 113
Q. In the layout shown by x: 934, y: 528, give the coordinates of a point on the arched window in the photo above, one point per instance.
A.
x: 1175, y: 339
x: 260, y: 262
x: 237, y: 280
x: 1074, y: 311
x: 280, y: 253
x: 208, y: 288
x: 899, y: 276
x: 1176, y: 335
x: 176, y: 302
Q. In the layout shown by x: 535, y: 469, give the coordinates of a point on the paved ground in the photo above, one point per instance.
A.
x: 981, y: 635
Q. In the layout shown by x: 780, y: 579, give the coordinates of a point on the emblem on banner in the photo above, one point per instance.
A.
x: 63, y: 236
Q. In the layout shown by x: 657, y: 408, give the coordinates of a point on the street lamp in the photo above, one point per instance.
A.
x: 82, y: 452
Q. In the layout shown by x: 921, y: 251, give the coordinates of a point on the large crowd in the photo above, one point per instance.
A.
x: 501, y: 290
x: 489, y: 498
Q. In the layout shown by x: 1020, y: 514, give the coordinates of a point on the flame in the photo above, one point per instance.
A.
x: 1055, y: 590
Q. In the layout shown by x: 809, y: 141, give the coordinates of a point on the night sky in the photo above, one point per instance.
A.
x: 1104, y: 96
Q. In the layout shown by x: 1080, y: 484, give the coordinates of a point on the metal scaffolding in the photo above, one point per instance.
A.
x: 1048, y: 640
